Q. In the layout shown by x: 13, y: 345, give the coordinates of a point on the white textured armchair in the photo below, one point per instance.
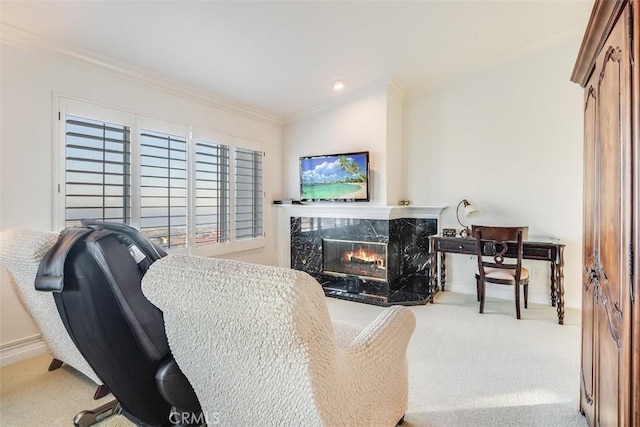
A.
x: 21, y: 251
x: 259, y: 348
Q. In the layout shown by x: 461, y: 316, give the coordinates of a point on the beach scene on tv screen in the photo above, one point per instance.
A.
x: 334, y: 177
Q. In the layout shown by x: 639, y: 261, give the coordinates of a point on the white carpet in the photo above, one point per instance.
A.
x: 471, y: 369
x: 465, y: 369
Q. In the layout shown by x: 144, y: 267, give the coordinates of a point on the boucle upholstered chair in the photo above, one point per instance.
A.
x: 21, y: 251
x: 259, y: 348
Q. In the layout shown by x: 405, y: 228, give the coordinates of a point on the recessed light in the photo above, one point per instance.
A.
x: 338, y: 85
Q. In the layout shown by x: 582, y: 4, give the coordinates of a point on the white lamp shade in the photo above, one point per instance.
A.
x: 470, y: 211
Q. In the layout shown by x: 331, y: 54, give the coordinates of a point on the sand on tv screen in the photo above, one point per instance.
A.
x: 342, y: 177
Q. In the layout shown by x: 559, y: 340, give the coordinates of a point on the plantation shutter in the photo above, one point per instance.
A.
x: 187, y: 188
x: 97, y: 171
x: 163, y: 188
x: 248, y: 194
x: 212, y: 197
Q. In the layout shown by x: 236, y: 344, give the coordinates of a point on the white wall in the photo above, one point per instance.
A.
x: 509, y: 139
x: 360, y: 125
x: 29, y: 77
x: 396, y: 176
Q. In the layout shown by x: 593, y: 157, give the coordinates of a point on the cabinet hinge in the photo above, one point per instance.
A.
x: 58, y: 188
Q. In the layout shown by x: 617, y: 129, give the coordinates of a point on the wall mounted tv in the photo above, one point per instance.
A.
x: 335, y: 177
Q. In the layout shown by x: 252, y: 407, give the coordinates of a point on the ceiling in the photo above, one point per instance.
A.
x: 281, y: 57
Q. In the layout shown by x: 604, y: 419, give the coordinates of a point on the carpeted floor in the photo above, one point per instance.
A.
x: 466, y: 369
x: 471, y: 369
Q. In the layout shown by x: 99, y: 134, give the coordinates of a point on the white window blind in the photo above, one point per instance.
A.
x: 163, y: 188
x: 97, y: 171
x: 212, y: 198
x: 187, y: 188
x: 248, y: 194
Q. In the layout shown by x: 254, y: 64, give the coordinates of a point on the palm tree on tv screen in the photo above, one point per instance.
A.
x: 351, y: 167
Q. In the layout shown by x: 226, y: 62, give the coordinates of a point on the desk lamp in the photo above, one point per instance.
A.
x: 468, y: 211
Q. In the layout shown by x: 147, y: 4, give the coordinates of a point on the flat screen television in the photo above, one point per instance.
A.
x: 335, y: 177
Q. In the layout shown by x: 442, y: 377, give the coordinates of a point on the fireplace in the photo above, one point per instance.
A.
x: 381, y: 260
x: 378, y: 261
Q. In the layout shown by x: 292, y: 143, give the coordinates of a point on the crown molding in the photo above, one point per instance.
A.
x: 23, y: 39
x: 350, y: 97
x: 603, y: 17
x: 571, y: 35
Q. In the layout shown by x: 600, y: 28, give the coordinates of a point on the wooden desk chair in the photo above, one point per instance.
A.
x: 495, y: 242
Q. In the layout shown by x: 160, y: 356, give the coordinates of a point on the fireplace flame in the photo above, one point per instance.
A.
x: 364, y: 256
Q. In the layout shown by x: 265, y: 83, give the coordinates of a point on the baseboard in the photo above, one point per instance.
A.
x: 507, y: 293
x: 22, y: 349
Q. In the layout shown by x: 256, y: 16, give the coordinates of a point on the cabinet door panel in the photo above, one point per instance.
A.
x: 613, y: 185
x: 588, y: 254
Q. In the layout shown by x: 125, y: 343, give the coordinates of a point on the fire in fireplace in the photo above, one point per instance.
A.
x: 367, y: 260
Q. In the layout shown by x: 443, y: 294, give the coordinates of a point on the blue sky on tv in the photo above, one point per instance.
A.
x: 323, y: 169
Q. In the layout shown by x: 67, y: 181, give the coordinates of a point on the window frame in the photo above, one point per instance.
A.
x: 68, y: 106
x: 137, y: 122
x: 252, y: 243
x: 146, y: 123
x: 233, y: 142
x: 247, y: 146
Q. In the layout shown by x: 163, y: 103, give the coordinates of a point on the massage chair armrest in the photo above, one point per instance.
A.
x: 175, y: 387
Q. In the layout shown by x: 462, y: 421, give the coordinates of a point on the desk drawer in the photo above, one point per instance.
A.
x: 532, y: 250
x: 456, y: 245
x: 540, y: 252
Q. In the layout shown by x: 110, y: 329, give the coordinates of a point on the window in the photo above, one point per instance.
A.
x: 163, y: 188
x: 248, y: 193
x: 97, y: 171
x: 212, y: 216
x: 198, y: 194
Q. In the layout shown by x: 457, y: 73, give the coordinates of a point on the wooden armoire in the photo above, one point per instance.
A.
x: 607, y: 69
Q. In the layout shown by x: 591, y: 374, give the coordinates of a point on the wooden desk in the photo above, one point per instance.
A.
x: 551, y: 251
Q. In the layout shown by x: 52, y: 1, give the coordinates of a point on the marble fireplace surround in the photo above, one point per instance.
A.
x: 302, y: 228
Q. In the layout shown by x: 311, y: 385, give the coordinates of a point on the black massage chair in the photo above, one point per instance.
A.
x: 94, y: 272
